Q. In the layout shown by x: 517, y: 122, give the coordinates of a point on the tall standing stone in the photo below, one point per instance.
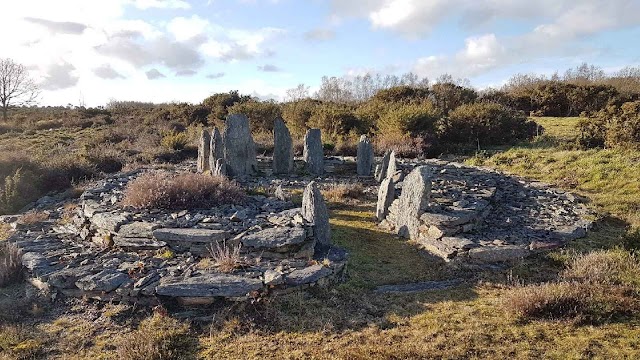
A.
x: 393, y: 165
x: 386, y: 194
x: 314, y: 210
x: 239, y: 148
x: 216, y: 151
x: 203, y: 151
x: 381, y: 169
x: 313, y: 155
x: 365, y: 156
x: 282, y: 149
x: 413, y: 202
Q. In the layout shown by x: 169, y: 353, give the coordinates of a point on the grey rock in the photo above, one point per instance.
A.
x: 386, y: 195
x: 393, y: 166
x: 219, y: 168
x: 106, y: 280
x: 136, y: 244
x: 279, y: 193
x: 313, y: 153
x: 314, y: 210
x: 381, y: 169
x: 239, y: 148
x: 365, y: 156
x: 273, y: 277
x: 203, y: 151
x: 216, y: 150
x: 307, y: 275
x: 283, y: 148
x: 108, y: 221
x: 190, y: 235
x: 274, y: 238
x: 413, y: 201
x: 208, y: 285
x: 138, y: 229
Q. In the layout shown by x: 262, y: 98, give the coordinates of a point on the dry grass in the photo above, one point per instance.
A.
x: 157, y: 337
x: 10, y: 263
x: 340, y: 192
x: 594, y: 288
x: 226, y: 257
x: 162, y: 190
x: 33, y: 217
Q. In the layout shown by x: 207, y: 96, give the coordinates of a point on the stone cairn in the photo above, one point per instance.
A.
x: 110, y: 253
x: 313, y: 154
x: 477, y: 215
x: 282, y: 149
x: 364, y: 156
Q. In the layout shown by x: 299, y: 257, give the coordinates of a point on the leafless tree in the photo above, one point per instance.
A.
x: 297, y: 93
x: 17, y: 88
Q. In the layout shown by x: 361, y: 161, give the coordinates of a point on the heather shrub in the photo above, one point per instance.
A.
x: 340, y: 192
x: 163, y: 190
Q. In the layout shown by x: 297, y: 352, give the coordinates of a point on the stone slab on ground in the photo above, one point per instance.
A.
x: 209, y: 285
x: 190, y: 235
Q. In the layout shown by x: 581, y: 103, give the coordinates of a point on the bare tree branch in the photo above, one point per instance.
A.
x: 17, y: 88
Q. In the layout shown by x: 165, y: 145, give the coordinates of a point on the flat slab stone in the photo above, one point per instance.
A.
x: 137, y: 229
x: 190, y: 235
x: 138, y: 243
x: 108, y: 221
x: 307, y: 275
x: 275, y: 237
x: 417, y: 287
x: 491, y: 254
x: 209, y: 285
x: 106, y: 280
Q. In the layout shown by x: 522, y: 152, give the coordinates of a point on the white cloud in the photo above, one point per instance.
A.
x: 162, y: 4
x: 187, y: 28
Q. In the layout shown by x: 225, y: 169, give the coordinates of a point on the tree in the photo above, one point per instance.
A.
x: 297, y: 93
x: 17, y: 88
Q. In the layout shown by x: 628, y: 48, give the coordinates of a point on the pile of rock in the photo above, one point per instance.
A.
x: 479, y: 215
x: 108, y: 252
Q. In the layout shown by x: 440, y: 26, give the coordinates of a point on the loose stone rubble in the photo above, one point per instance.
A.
x: 313, y: 153
x: 365, y: 156
x: 476, y: 215
x: 111, y: 253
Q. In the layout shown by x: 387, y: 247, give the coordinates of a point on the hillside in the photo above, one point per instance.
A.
x: 475, y: 319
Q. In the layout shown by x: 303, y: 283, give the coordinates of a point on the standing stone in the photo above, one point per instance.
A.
x: 283, y: 148
x: 381, y: 169
x: 279, y: 193
x: 239, y: 148
x: 386, y: 194
x: 414, y: 200
x: 216, y: 151
x: 203, y: 151
x: 393, y: 165
x: 313, y: 155
x: 314, y: 210
x: 365, y: 156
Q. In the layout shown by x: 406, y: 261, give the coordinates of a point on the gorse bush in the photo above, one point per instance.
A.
x: 613, y: 127
x: 162, y: 190
x: 486, y: 124
x: 175, y: 140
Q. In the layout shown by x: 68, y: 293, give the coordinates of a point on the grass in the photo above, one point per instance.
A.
x: 341, y: 192
x: 10, y: 263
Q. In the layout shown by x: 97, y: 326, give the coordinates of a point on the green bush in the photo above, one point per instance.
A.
x: 614, y: 127
x: 485, y: 124
x: 261, y: 114
x: 174, y: 140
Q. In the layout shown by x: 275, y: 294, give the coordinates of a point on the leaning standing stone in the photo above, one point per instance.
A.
x: 283, y: 148
x: 239, y: 148
x: 203, y: 151
x: 386, y: 194
x: 413, y: 202
x: 219, y: 169
x: 381, y: 169
x: 393, y: 165
x: 313, y: 155
x: 365, y: 156
x: 314, y: 210
x: 216, y: 150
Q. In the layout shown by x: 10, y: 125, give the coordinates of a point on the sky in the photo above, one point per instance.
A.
x: 92, y: 51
